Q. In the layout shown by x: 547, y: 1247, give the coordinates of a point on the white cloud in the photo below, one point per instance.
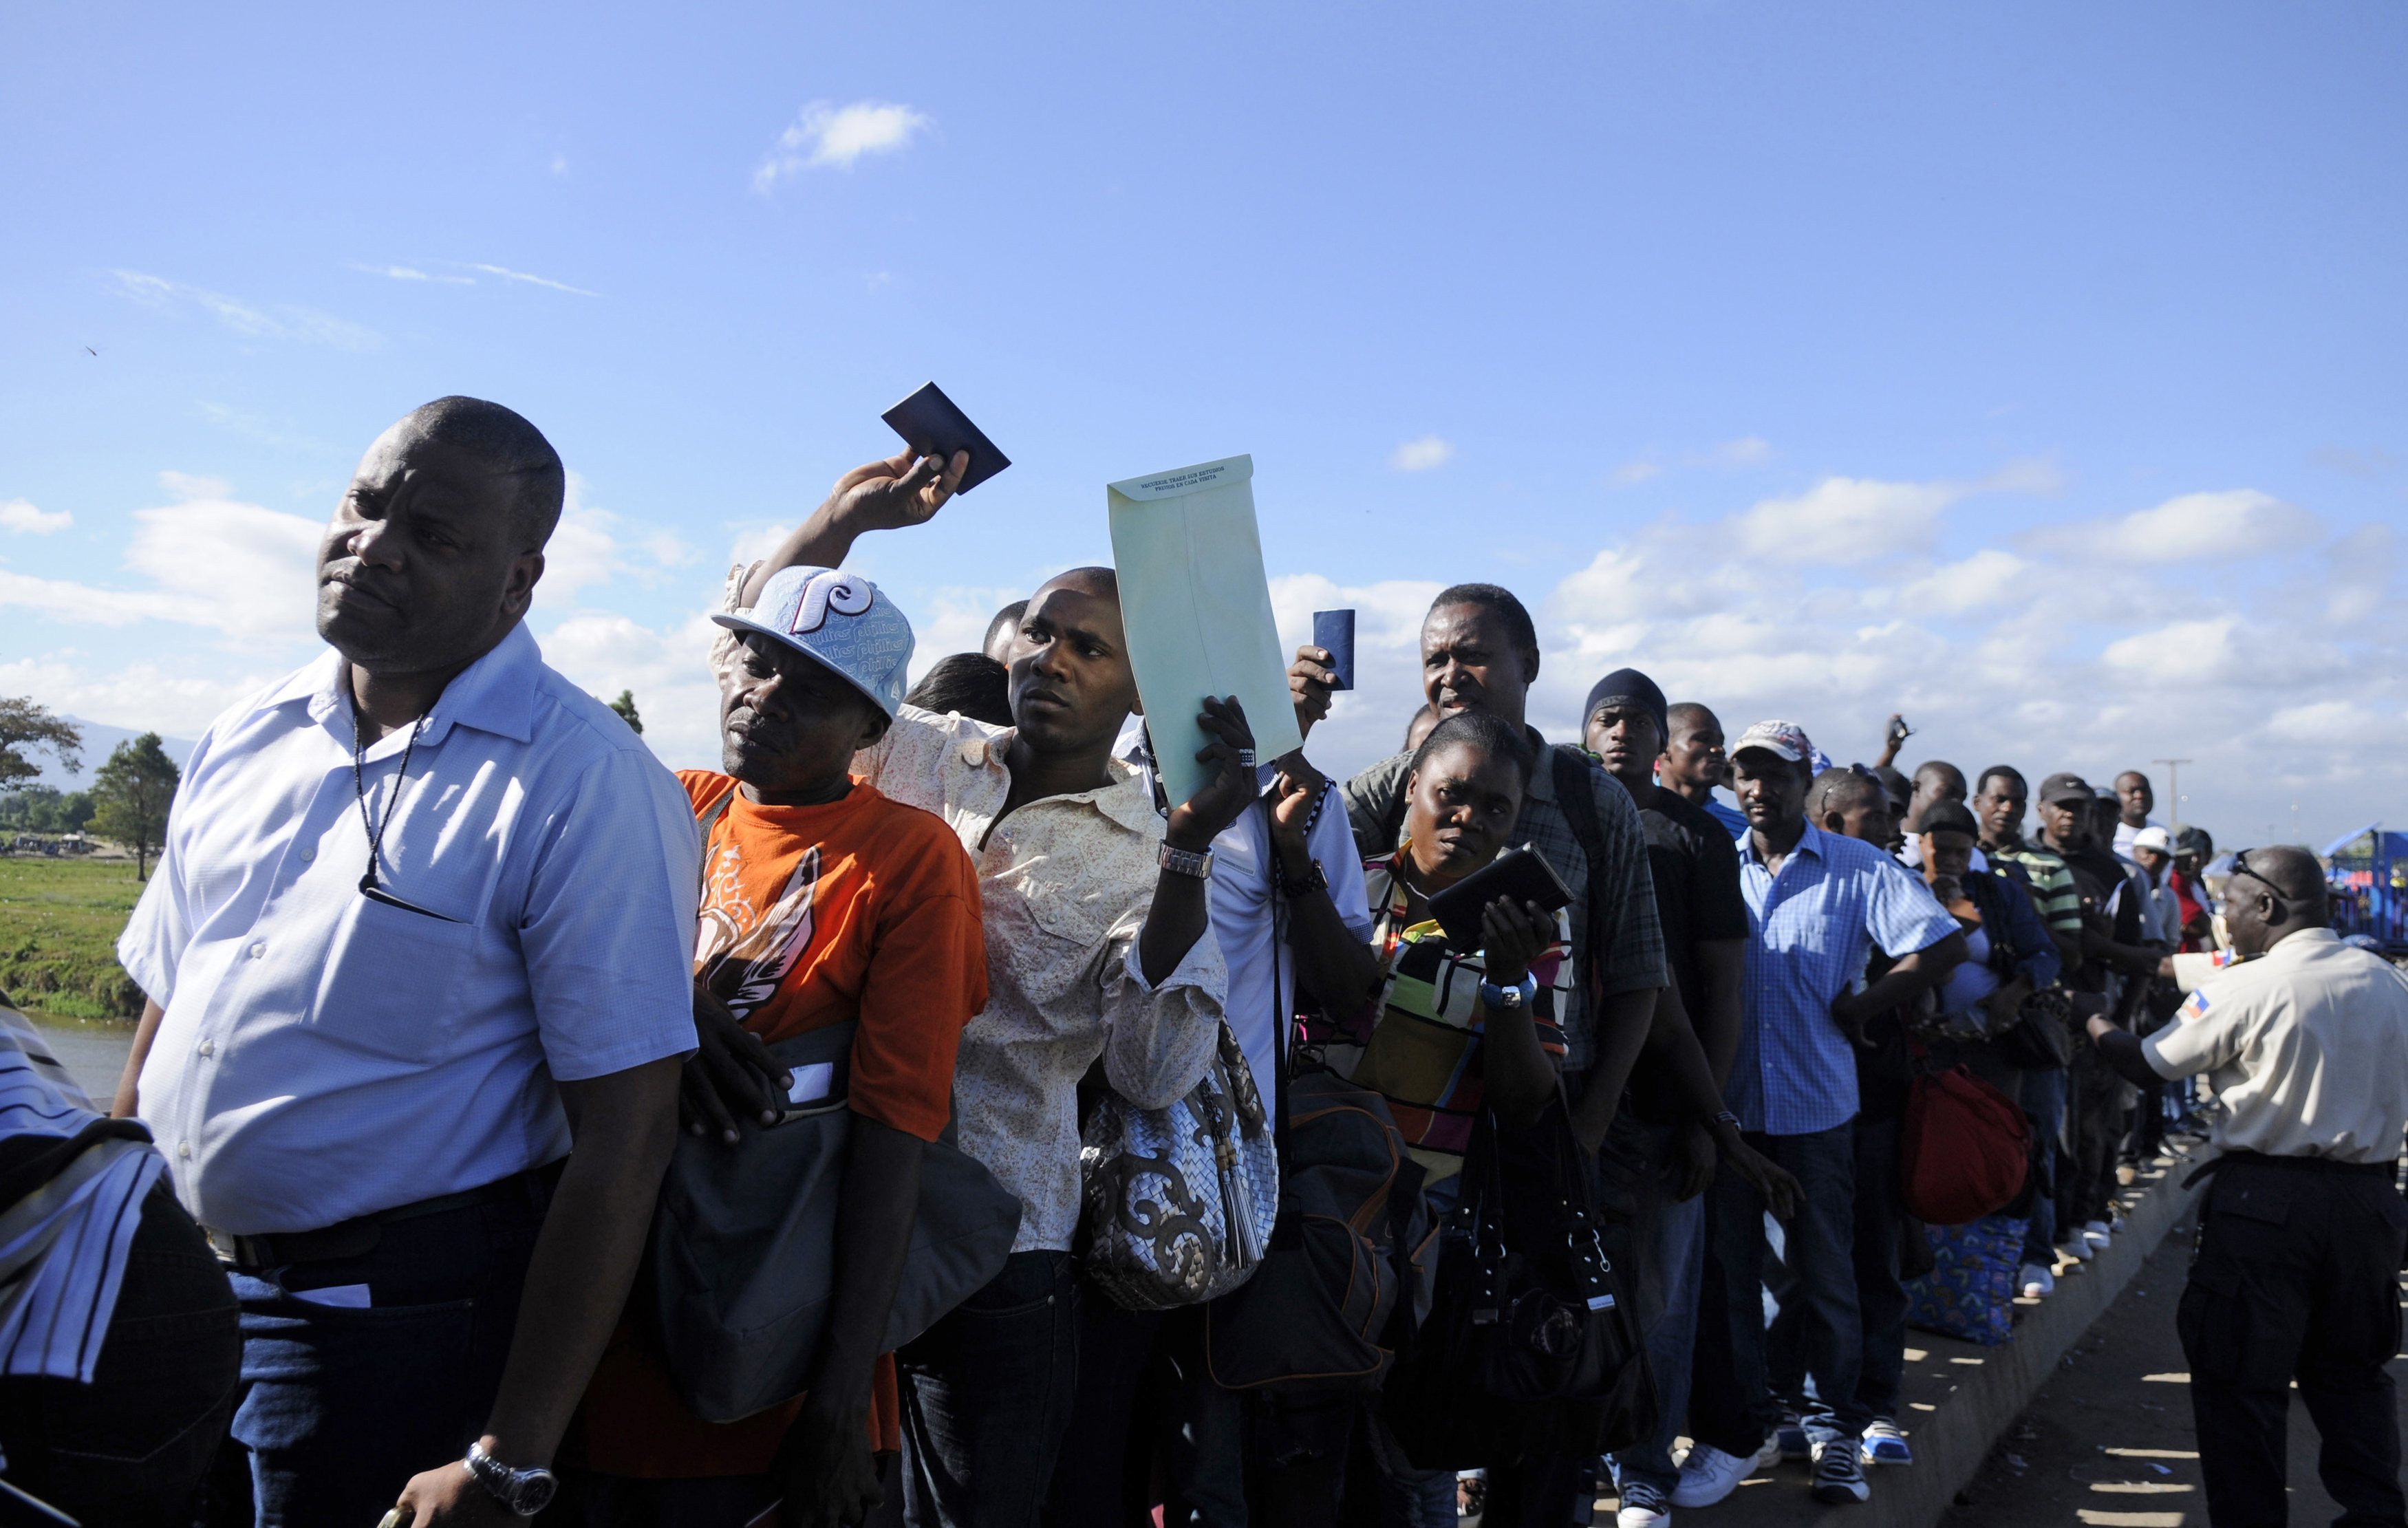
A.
x: 411, y: 273
x: 285, y: 322
x: 1987, y: 578
x: 1422, y: 454
x: 2221, y: 527
x: 24, y: 518
x: 1846, y: 520
x: 2178, y: 652
x: 824, y: 135
x: 1745, y: 451
x: 508, y: 275
x: 1636, y: 470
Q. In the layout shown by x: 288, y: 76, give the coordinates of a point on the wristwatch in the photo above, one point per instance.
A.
x: 1498, y: 999
x: 1186, y: 862
x: 525, y: 1493
x: 1315, y: 879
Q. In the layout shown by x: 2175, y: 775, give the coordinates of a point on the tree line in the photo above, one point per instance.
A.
x: 127, y: 803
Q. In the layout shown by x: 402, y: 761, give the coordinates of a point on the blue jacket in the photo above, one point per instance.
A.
x: 2019, y: 941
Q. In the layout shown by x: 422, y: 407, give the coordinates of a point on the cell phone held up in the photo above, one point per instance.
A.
x: 1523, y: 875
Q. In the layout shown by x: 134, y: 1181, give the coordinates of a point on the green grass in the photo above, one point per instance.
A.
x: 59, y: 922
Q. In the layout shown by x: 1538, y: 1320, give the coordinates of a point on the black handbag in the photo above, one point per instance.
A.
x: 2040, y: 1039
x: 1531, y: 1342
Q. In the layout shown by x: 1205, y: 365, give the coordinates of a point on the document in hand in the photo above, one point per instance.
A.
x: 1197, y: 611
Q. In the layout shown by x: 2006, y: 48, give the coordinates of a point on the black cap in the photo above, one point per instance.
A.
x: 1947, y: 817
x: 2063, y: 786
x: 1627, y: 687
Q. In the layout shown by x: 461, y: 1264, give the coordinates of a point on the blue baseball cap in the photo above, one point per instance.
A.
x: 839, y: 621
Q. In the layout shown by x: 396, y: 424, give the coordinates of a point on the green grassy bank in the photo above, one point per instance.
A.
x: 59, y: 922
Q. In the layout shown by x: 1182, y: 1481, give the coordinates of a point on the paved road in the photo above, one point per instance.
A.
x: 2108, y: 1443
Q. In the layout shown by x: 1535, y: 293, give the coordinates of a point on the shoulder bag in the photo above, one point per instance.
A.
x: 741, y: 1264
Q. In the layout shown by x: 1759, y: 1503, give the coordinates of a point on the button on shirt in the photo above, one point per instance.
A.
x: 323, y: 1055
x: 2307, y: 1045
x: 1813, y: 926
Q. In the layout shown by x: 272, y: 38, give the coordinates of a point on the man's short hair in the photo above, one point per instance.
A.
x: 1519, y: 629
x: 2002, y: 772
x: 1939, y: 769
x: 1689, y: 711
x: 513, y: 446
x: 970, y: 683
x: 1483, y: 730
x: 1006, y: 619
x: 1838, y: 787
x: 2296, y: 877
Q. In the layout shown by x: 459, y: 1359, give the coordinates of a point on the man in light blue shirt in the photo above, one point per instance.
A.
x: 1819, y: 904
x: 423, y: 921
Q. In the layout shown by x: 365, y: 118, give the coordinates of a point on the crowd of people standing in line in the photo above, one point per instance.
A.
x: 444, y: 969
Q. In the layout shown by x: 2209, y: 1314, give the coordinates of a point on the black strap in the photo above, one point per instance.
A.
x: 2384, y: 1170
x: 1577, y: 799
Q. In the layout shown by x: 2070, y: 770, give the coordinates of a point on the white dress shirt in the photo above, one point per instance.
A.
x: 323, y: 1055
x: 1261, y: 968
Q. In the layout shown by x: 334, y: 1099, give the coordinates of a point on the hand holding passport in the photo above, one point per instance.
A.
x: 1518, y: 876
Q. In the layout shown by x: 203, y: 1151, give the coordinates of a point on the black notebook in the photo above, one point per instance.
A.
x: 1518, y: 873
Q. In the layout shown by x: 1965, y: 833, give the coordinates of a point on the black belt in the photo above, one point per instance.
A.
x: 359, y: 1235
x: 2384, y: 1170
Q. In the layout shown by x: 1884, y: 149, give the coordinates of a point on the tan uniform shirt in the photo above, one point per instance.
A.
x: 2307, y: 1045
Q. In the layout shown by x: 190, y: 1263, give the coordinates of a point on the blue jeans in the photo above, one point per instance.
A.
x: 1881, y: 1298
x: 1730, y: 1401
x: 341, y: 1404
x: 2043, y: 1100
x: 986, y: 1398
x: 1672, y: 1242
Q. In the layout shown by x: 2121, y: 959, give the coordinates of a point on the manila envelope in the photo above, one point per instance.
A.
x: 1197, y: 611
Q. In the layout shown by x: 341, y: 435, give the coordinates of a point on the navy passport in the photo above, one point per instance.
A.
x: 1335, y: 630
x: 932, y: 425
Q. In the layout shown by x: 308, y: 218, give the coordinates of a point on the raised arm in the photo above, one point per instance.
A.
x: 905, y: 489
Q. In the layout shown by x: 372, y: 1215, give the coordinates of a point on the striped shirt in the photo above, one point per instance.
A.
x: 1415, y: 1040
x: 2055, y: 897
x: 1813, y: 926
x: 64, y: 1244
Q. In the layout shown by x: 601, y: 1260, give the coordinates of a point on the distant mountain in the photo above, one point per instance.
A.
x: 98, y: 738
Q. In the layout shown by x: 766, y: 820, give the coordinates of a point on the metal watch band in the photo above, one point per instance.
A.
x: 1186, y: 862
x: 1725, y: 1117
x: 525, y: 1493
x: 1314, y: 879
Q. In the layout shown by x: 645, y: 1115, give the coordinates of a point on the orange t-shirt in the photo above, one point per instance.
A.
x: 864, y: 909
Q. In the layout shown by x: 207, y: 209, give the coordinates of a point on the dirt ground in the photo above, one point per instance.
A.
x: 2108, y: 1442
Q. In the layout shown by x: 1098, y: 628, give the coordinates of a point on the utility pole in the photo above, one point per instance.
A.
x: 2173, y: 791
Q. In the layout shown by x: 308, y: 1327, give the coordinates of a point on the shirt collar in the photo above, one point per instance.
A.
x: 1128, y: 800
x: 1810, y: 842
x: 494, y: 694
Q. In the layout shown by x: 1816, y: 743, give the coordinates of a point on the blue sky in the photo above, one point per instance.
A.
x: 2031, y: 369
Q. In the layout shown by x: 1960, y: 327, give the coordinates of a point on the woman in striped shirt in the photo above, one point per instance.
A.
x: 1444, y: 1032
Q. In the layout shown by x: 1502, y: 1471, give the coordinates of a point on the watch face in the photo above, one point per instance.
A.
x: 534, y: 1492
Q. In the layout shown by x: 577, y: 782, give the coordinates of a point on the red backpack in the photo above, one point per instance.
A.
x: 1967, y: 1147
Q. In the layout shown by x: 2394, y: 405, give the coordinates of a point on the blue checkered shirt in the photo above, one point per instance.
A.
x: 1813, y: 926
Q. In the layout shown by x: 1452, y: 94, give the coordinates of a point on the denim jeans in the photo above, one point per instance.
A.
x: 1881, y: 1297
x: 1731, y: 1400
x: 1672, y: 1238
x: 129, y: 1447
x: 986, y: 1398
x: 342, y: 1404
x: 2043, y: 1101
x: 1102, y: 1470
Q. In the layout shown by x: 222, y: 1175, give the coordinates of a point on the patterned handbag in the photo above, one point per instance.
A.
x: 1178, y: 1201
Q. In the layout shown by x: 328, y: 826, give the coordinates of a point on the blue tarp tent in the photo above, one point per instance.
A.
x: 2367, y: 872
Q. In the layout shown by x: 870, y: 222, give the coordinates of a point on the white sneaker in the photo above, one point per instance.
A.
x: 2097, y: 1234
x: 1883, y: 1444
x: 2036, y: 1281
x: 1708, y: 1474
x: 1642, y: 1507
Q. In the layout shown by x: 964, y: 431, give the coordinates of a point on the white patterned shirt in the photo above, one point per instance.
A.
x: 1064, y: 884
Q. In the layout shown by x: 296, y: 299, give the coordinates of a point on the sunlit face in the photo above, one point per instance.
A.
x: 1771, y: 791
x: 1460, y: 808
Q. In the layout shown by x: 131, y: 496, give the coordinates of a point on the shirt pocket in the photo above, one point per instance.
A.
x: 1043, y: 934
x: 393, y: 981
